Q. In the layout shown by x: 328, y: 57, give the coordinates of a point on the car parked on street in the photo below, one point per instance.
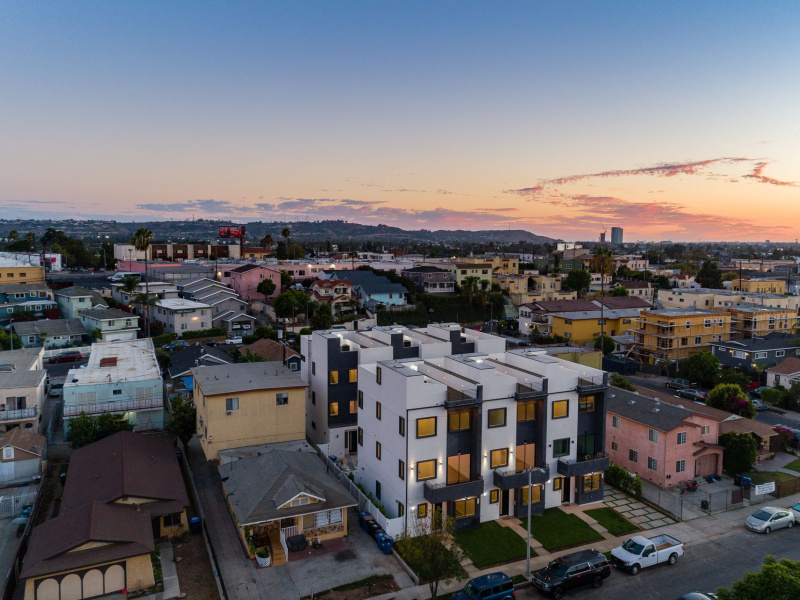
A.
x: 494, y: 586
x: 765, y: 519
x: 234, y: 341
x: 176, y: 346
x: 795, y: 510
x: 585, y: 567
x: 759, y: 405
x: 65, y: 357
x: 676, y: 383
x: 693, y: 394
x: 640, y: 552
x: 698, y: 596
x: 56, y: 390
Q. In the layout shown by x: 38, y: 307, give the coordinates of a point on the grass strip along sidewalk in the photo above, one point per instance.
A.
x: 491, y: 544
x: 556, y: 529
x: 614, y: 522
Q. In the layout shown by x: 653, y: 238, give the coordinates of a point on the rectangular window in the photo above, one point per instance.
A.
x: 633, y: 456
x: 705, y: 429
x: 401, y: 469
x: 680, y: 466
x: 459, y: 421
x: 172, y: 520
x: 560, y: 409
x: 378, y: 450
x: 378, y: 375
x: 681, y: 438
x: 525, y: 456
x: 117, y: 392
x: 353, y: 376
x: 231, y: 404
x: 313, y: 397
x: 526, y: 411
x: 378, y: 411
x: 536, y: 494
x: 652, y: 435
x: 333, y: 377
x: 360, y: 399
x: 426, y: 469
x: 499, y: 458
x: 616, y: 422
x: 401, y: 427
x: 313, y: 368
x: 614, y: 446
x: 353, y: 407
x: 401, y: 509
x: 586, y: 404
x: 652, y: 463
x: 497, y: 417
x: 360, y: 436
x: 494, y: 496
x: 422, y: 510
x: 282, y: 399
x: 780, y: 353
x: 378, y: 490
x: 426, y: 427
x: 464, y: 508
x: 333, y: 409
x: 591, y: 482
x: 458, y: 467
x: 560, y: 447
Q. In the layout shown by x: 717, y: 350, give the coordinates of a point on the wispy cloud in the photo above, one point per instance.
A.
x: 208, y: 206
x: 756, y: 174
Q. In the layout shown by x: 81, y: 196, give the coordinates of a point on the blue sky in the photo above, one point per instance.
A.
x: 411, y: 114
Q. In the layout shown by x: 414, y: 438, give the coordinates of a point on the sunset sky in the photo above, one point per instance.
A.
x: 673, y: 120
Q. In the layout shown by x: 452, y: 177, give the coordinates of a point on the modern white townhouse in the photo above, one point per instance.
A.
x: 466, y: 433
x: 330, y: 362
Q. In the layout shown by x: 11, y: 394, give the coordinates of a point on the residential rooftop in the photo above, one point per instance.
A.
x: 131, y: 360
x: 245, y: 377
x: 180, y: 304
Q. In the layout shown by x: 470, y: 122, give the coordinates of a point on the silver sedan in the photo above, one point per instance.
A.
x: 768, y: 518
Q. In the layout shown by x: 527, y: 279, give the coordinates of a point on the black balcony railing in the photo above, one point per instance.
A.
x: 583, y: 466
x: 442, y: 492
x: 509, y: 479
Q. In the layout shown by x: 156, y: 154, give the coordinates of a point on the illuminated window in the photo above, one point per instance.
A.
x: 422, y: 510
x: 494, y: 496
x: 499, y: 458
x: 560, y: 409
x: 586, y: 404
x: 353, y: 407
x: 333, y: 377
x: 426, y: 427
x: 526, y: 411
x: 591, y: 483
x: 459, y: 421
x: 426, y: 469
x: 497, y: 417
x: 378, y: 411
x: 333, y: 409
x: 458, y: 467
x: 464, y: 508
x: 353, y: 375
x: 401, y: 469
x: 524, y: 456
x: 536, y: 494
x: 378, y: 450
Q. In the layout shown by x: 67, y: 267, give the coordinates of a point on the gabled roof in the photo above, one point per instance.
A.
x: 555, y: 306
x: 789, y: 366
x: 120, y: 530
x: 634, y: 284
x: 16, y: 288
x: 647, y: 411
x: 619, y: 302
x: 774, y: 341
x: 701, y: 409
x: 326, y: 283
x: 269, y: 350
x: 259, y: 485
x: 231, y: 315
x: 743, y: 425
x: 425, y: 270
x: 23, y: 439
x: 51, y: 327
x: 186, y: 359
x: 127, y: 464
x: 250, y: 267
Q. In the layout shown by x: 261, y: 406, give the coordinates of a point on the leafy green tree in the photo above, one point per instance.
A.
x: 108, y: 424
x: 129, y: 283
x: 249, y: 357
x: 605, y: 343
x: 577, y: 280
x: 741, y: 450
x: 264, y: 332
x: 182, y: 420
x: 266, y: 288
x: 286, y: 279
x: 661, y: 282
x: 96, y: 333
x: 289, y: 303
x: 622, y: 383
x: 8, y: 342
x: 729, y: 375
x: 280, y: 251
x: 267, y: 241
x: 323, y: 316
x: 701, y: 368
x: 620, y: 292
x: 709, y: 276
x: 777, y: 580
x: 469, y: 287
x: 82, y: 430
x: 730, y: 397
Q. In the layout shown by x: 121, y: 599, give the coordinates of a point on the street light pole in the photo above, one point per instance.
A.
x: 528, y: 549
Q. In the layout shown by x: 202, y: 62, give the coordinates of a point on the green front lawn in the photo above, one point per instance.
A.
x: 612, y: 520
x: 794, y: 465
x: 491, y: 544
x: 405, y: 548
x: 759, y: 477
x: 556, y: 529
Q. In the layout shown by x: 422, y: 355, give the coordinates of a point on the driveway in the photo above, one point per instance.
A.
x: 351, y: 559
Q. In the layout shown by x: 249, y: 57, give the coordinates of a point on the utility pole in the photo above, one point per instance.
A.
x: 528, y: 549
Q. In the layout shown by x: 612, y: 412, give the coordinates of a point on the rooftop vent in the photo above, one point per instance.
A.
x: 110, y: 361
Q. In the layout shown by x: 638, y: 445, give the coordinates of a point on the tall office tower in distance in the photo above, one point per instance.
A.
x: 603, y: 237
x: 616, y: 236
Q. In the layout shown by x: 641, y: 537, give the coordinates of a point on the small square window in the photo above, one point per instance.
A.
x: 353, y: 407
x: 282, y: 399
x: 614, y: 446
x: 117, y: 392
x: 333, y: 409
x: 681, y: 437
x: 680, y: 466
x: 652, y: 435
x: 586, y: 404
x: 616, y: 422
x: 560, y: 447
x: 333, y: 377
x: 494, y: 496
x: 560, y: 409
x: 633, y: 456
x: 499, y: 458
x: 426, y: 427
x: 231, y: 404
x: 652, y: 464
x: 497, y: 417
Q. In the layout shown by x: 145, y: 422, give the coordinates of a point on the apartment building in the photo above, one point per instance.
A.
x: 157, y: 290
x: 461, y: 270
x: 330, y: 361
x: 179, y: 315
x: 752, y: 320
x: 467, y: 433
x: 640, y: 289
x: 74, y: 299
x: 23, y: 389
x: 430, y: 280
x: 711, y: 298
x: 245, y: 280
x: 22, y: 297
x: 757, y: 353
x: 113, y: 324
x: 13, y: 270
x: 501, y: 264
x: 759, y: 285
x: 675, y: 334
x: 584, y: 326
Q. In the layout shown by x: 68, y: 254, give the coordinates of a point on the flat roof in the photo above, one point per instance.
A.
x: 245, y: 377
x: 130, y: 360
x: 180, y: 304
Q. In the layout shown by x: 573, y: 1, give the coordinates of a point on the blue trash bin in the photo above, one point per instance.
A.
x: 194, y: 524
x: 379, y: 537
x: 746, y: 481
x: 361, y: 523
x: 386, y: 544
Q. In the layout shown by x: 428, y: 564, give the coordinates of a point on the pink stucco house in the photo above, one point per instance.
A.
x: 661, y: 442
x: 244, y: 280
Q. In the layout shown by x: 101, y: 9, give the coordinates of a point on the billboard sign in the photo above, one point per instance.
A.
x: 231, y: 232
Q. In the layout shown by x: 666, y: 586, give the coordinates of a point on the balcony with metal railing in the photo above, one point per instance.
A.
x: 18, y: 414
x: 509, y: 479
x: 95, y: 408
x: 569, y: 467
x: 590, y: 385
x: 442, y: 492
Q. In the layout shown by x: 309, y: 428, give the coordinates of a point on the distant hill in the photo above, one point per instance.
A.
x: 206, y: 229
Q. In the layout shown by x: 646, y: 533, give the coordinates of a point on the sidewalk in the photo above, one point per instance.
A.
x: 696, y: 531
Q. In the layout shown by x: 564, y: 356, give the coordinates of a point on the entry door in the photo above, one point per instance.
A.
x: 351, y: 439
x: 565, y: 489
x: 504, y: 498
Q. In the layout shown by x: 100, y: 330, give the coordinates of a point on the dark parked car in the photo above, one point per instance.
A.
x: 65, y: 357
x: 677, y: 383
x: 693, y: 394
x: 572, y: 570
x: 176, y: 345
x: 494, y: 586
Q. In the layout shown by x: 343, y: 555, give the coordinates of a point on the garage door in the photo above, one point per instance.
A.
x: 71, y: 587
x: 93, y: 584
x: 706, y: 465
x: 47, y: 590
x: 115, y: 579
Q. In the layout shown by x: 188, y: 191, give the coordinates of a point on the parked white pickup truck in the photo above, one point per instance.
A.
x: 640, y: 552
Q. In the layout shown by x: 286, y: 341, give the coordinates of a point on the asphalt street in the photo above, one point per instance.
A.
x: 703, y: 568
x: 91, y: 280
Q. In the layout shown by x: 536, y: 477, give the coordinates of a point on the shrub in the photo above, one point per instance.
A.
x: 166, y: 338
x: 622, y: 383
x: 624, y: 481
x: 771, y: 396
x: 741, y: 450
x: 204, y: 333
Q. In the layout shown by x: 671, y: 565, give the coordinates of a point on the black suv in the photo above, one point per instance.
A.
x: 571, y: 571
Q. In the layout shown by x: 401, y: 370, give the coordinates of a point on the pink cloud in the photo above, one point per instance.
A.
x: 756, y: 174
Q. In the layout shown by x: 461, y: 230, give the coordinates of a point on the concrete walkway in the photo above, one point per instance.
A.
x: 639, y: 513
x: 695, y: 532
x: 778, y: 463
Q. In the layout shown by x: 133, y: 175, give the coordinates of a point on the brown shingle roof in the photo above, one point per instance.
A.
x: 618, y: 302
x: 122, y: 529
x: 702, y: 409
x: 127, y: 464
x: 24, y: 440
x: 742, y: 425
x: 269, y: 350
x: 789, y: 366
x: 551, y: 306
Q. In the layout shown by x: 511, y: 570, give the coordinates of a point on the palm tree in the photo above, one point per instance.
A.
x: 129, y: 283
x: 484, y: 293
x: 144, y: 302
x: 141, y: 241
x: 469, y: 286
x: 267, y: 241
x: 602, y: 262
x: 13, y: 235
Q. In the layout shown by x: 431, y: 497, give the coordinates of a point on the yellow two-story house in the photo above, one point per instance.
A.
x: 584, y: 326
x: 248, y: 404
x: 675, y: 334
x: 760, y: 285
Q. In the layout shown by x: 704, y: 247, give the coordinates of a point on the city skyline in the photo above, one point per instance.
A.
x: 673, y: 122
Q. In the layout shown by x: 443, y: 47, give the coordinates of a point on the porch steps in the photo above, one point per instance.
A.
x: 278, y: 555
